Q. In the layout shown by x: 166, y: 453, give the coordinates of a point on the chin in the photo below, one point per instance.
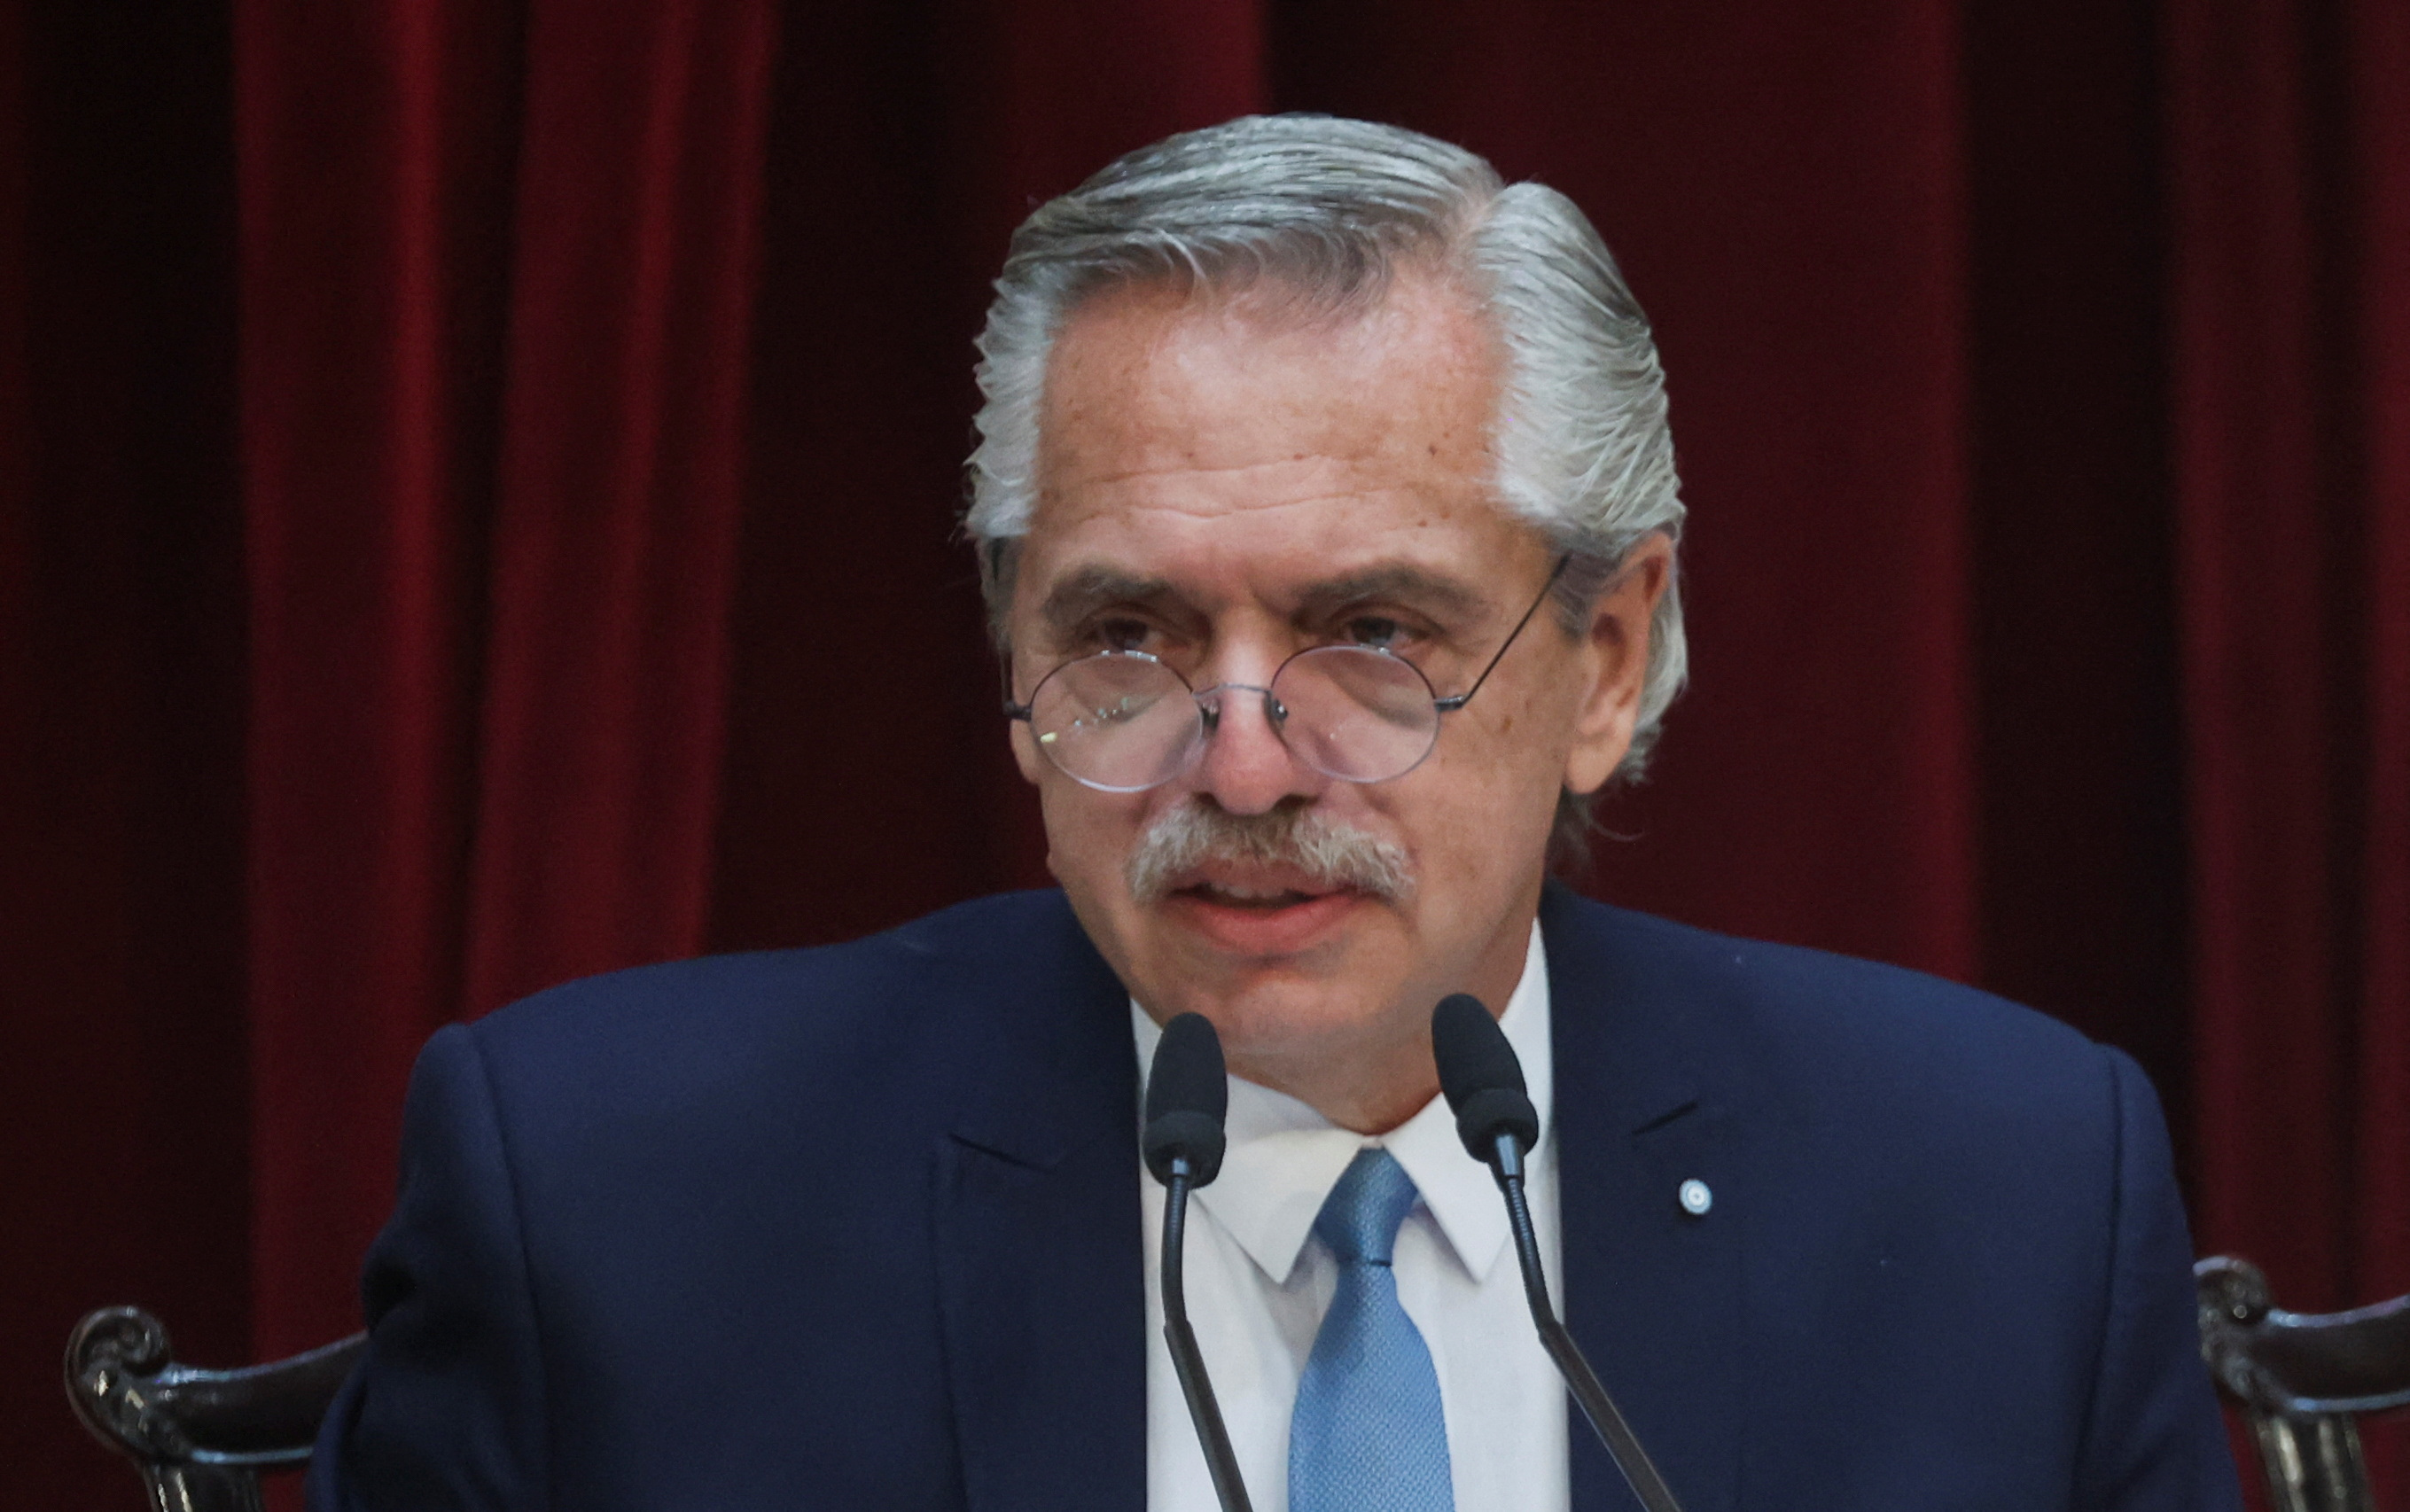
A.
x: 1280, y: 1020
x: 1312, y: 997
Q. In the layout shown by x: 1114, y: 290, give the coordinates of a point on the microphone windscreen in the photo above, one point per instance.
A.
x: 1187, y: 1096
x: 1482, y: 1077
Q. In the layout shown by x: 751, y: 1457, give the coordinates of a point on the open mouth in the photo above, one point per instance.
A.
x: 1262, y: 916
x: 1253, y: 899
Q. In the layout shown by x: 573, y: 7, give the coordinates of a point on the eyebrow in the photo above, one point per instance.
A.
x: 1086, y: 589
x: 1083, y: 591
x: 1443, y: 594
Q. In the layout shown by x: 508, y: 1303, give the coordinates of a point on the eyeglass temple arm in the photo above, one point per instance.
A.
x: 1457, y: 701
x: 1012, y: 710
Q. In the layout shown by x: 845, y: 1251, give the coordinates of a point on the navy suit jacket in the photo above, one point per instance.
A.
x: 858, y: 1229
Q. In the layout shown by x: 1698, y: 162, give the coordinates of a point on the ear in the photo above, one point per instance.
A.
x: 1025, y: 741
x: 1025, y: 750
x: 1615, y: 662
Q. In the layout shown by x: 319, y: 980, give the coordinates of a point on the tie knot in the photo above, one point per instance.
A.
x: 1360, y: 1219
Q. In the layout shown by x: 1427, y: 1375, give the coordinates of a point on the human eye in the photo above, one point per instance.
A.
x: 1120, y: 633
x: 1377, y: 632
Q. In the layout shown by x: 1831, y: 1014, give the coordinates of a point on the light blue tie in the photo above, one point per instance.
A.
x: 1368, y: 1434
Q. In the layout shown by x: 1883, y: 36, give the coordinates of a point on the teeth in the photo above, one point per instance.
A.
x: 1249, y: 894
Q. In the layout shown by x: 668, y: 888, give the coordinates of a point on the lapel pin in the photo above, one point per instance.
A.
x: 1695, y: 1198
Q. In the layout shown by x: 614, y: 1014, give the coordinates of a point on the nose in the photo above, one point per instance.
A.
x: 1246, y: 767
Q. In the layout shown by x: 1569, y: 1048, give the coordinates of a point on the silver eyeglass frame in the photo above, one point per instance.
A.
x: 1208, y: 700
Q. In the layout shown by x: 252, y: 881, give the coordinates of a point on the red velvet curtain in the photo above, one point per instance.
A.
x: 2291, y: 405
x: 476, y: 483
x: 497, y: 272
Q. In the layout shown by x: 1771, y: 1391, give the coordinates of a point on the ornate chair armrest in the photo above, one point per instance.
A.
x: 128, y: 1391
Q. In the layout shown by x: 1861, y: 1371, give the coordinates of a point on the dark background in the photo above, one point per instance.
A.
x: 478, y: 483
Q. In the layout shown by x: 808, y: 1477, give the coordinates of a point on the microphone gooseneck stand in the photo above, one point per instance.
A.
x: 1494, y: 1116
x: 1186, y: 1099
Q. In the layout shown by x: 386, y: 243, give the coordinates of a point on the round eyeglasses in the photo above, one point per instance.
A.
x: 1125, y: 722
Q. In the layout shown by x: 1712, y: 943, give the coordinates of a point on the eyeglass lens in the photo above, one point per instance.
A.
x: 1123, y: 721
x: 1115, y: 720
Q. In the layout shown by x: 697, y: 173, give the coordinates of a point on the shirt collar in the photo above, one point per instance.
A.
x: 1284, y: 1157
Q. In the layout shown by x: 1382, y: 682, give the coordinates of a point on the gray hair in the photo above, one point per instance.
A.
x: 1329, y: 208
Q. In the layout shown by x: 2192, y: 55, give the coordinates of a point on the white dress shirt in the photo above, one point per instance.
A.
x: 1258, y: 1283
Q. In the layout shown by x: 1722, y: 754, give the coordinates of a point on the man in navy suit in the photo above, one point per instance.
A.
x: 1328, y: 511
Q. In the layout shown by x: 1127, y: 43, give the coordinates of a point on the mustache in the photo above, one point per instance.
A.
x: 1330, y: 854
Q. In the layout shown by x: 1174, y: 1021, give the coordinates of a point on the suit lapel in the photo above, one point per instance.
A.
x: 1040, y: 1265
x: 1040, y: 1262
x: 1652, y: 1292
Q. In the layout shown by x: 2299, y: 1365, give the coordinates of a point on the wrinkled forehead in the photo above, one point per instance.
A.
x: 1158, y: 378
x: 1198, y: 430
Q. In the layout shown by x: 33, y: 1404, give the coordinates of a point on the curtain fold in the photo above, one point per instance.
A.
x: 2289, y: 336
x: 123, y: 1105
x: 373, y: 150
x: 2380, y: 61
x: 619, y: 489
x: 496, y: 280
x: 2290, y: 139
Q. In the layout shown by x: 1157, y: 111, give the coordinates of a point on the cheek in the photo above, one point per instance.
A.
x: 1481, y: 807
x: 1034, y: 767
x: 1497, y: 787
x: 1089, y: 835
x: 1547, y: 716
x: 1525, y: 739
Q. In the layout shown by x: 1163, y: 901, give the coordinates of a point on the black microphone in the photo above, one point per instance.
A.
x: 1186, y: 1097
x: 1494, y: 1117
